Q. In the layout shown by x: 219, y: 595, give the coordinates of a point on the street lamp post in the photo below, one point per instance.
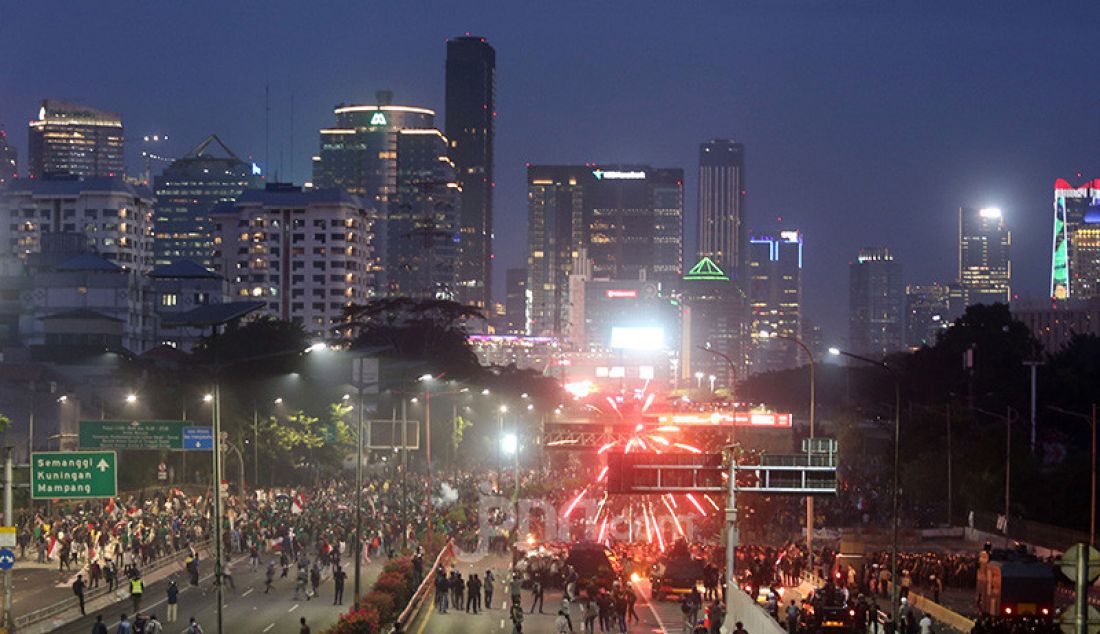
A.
x: 897, y: 433
x: 427, y: 379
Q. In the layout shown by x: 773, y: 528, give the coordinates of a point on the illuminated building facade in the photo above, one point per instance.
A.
x: 1075, y: 250
x: 628, y: 219
x: 875, y: 303
x: 927, y: 313
x: 115, y: 217
x: 9, y: 159
x: 1055, y: 322
x: 714, y: 316
x: 74, y: 139
x: 775, y: 297
x: 422, y: 238
x: 359, y: 156
x: 985, y: 269
x: 470, y: 121
x: 722, y: 193
x: 187, y: 190
x: 305, y: 254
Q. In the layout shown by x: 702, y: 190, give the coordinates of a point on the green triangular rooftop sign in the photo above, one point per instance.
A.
x: 706, y: 269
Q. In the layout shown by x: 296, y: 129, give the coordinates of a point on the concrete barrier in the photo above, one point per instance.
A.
x: 741, y: 607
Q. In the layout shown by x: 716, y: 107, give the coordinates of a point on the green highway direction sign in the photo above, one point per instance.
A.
x: 73, y: 474
x: 132, y: 434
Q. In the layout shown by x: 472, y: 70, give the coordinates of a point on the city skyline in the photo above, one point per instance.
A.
x: 969, y: 158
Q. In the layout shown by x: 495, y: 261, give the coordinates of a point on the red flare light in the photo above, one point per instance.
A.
x: 574, y: 503
x: 698, y: 507
x: 603, y: 474
x: 687, y: 447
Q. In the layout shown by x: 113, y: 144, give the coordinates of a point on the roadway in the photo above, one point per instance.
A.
x: 663, y: 616
x: 246, y: 609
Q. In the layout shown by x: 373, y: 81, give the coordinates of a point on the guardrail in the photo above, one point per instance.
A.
x: 72, y: 603
x: 426, y: 585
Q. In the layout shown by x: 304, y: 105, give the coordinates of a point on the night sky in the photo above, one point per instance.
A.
x: 865, y: 123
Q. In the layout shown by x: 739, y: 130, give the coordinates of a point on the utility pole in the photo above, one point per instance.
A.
x: 1008, y: 468
x: 1034, y: 365
x: 949, y: 466
x: 9, y: 620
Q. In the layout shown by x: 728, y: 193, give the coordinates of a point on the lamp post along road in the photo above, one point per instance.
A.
x: 897, y: 433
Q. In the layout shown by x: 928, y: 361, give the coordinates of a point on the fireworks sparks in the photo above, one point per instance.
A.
x: 680, y: 445
x: 695, y: 503
x: 711, y: 501
x: 575, y: 502
x: 603, y: 474
x: 606, y: 447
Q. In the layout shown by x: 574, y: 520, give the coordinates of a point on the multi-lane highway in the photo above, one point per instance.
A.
x: 246, y: 609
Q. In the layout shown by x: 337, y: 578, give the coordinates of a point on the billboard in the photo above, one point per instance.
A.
x: 637, y: 338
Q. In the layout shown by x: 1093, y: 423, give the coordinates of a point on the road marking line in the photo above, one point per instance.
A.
x: 269, y: 626
x: 502, y: 624
x: 649, y: 604
x: 424, y: 623
x: 247, y: 592
x: 293, y: 608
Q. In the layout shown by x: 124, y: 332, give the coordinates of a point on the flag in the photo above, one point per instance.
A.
x: 110, y: 508
x: 55, y: 547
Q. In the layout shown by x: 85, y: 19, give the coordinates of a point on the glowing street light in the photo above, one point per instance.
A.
x: 320, y: 346
x: 485, y: 392
x: 834, y: 351
x: 279, y: 401
x: 131, y: 398
x: 62, y: 398
x: 509, y: 444
x: 207, y: 398
x: 424, y: 378
x: 699, y: 380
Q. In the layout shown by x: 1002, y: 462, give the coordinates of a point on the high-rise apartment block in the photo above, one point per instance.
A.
x: 470, y: 121
x: 306, y: 254
x: 74, y: 139
x: 1075, y: 250
x: 115, y: 217
x: 9, y: 159
x: 722, y: 203
x: 985, y: 268
x: 875, y: 303
x: 774, y: 279
x: 187, y: 190
x: 628, y: 219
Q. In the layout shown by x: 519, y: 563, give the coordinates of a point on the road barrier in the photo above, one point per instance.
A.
x: 56, y: 615
x: 414, y: 610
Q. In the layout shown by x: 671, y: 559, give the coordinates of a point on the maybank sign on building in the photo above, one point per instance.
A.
x: 616, y: 175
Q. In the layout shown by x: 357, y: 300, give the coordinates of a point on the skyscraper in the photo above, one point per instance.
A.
x: 9, y: 159
x: 774, y: 279
x: 76, y: 139
x: 875, y: 303
x: 186, y: 192
x: 927, y: 313
x: 1075, y: 250
x: 422, y: 219
x: 714, y: 318
x: 515, y: 303
x: 985, y: 269
x: 627, y: 218
x: 360, y: 156
x: 722, y: 203
x: 470, y: 118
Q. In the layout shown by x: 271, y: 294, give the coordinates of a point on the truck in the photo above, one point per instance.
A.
x: 1014, y: 583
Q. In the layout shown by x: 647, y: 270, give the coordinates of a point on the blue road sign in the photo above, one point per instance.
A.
x: 198, y: 438
x: 7, y: 559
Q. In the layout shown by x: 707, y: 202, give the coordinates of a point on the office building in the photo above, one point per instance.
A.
x: 470, y: 121
x: 1075, y: 250
x: 627, y: 219
x: 774, y: 279
x: 115, y: 217
x: 515, y: 302
x: 9, y: 159
x: 927, y: 313
x: 422, y: 239
x: 74, y: 139
x: 186, y: 192
x: 722, y: 193
x: 305, y: 254
x: 714, y: 317
x: 985, y: 269
x: 1055, y: 322
x: 359, y: 155
x: 875, y: 303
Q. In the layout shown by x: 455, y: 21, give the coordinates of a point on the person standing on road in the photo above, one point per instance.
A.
x: 473, y: 593
x: 302, y: 583
x: 315, y: 576
x: 78, y: 590
x: 154, y: 626
x: 338, y: 577
x: 305, y: 628
x: 137, y: 588
x: 173, y: 595
x: 517, y: 618
x: 514, y: 588
x: 98, y: 627
x: 194, y: 627
x: 739, y: 628
x: 442, y: 591
x: 270, y: 576
x: 792, y: 618
x: 536, y: 594
x: 488, y: 589
x: 124, y: 626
